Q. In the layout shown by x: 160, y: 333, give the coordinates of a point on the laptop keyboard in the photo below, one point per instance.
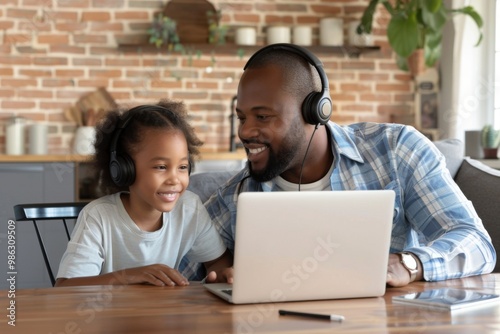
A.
x: 228, y: 291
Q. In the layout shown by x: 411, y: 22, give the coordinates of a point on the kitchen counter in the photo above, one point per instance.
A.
x: 237, y: 155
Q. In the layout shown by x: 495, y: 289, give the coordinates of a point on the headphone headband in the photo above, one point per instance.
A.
x: 317, y: 107
x: 305, y: 53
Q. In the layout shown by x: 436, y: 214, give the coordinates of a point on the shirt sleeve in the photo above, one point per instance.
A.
x: 452, y: 241
x: 84, y: 255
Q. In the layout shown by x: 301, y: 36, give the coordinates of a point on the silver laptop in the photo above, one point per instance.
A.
x: 292, y: 246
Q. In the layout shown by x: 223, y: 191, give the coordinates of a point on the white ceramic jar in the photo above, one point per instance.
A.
x: 245, y: 36
x: 278, y: 34
x: 331, y: 31
x: 14, y: 138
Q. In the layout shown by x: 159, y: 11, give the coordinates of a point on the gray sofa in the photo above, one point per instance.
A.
x: 479, y: 183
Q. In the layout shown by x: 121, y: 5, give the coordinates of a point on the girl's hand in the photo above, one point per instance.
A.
x: 155, y: 274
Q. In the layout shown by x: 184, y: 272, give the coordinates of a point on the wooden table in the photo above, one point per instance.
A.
x: 148, y: 309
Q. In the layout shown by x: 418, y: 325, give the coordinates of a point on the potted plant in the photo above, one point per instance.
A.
x: 216, y: 31
x: 416, y: 28
x: 490, y: 141
x: 163, y: 31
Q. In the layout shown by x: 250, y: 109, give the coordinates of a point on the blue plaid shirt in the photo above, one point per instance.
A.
x: 432, y: 217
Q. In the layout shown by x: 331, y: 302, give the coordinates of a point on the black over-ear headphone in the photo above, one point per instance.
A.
x: 317, y: 107
x: 121, y: 166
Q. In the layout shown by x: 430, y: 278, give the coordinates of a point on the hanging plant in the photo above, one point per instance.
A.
x: 163, y: 31
x: 216, y: 32
x: 416, y: 25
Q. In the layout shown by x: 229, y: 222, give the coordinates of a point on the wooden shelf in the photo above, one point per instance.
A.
x: 345, y: 50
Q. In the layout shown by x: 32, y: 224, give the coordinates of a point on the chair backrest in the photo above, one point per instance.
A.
x: 481, y: 185
x: 44, y: 212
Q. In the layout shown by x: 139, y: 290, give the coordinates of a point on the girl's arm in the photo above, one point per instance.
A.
x: 155, y: 274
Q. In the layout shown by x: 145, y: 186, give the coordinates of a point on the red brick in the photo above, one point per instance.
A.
x: 36, y: 73
x: 122, y: 62
x: 74, y: 4
x: 53, y: 39
x: 40, y: 94
x: 327, y: 10
x: 386, y: 87
x: 105, y: 73
x: 383, y: 98
x: 4, y: 71
x: 57, y: 83
x: 72, y: 26
x: 108, y: 3
x: 96, y: 16
x: 357, y: 87
x: 87, y: 62
x: 136, y: 15
x: 20, y: 13
x: 165, y: 84
x: 7, y: 92
x: 129, y: 84
x: 54, y: 105
x: 71, y: 73
x: 107, y: 27
x: 92, y: 83
x: 246, y: 18
x: 17, y: 82
x: 90, y: 39
x: 49, y: 61
x: 6, y: 25
x: 18, y: 104
x: 69, y: 49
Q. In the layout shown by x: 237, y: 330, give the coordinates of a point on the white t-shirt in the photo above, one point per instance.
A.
x: 106, y: 239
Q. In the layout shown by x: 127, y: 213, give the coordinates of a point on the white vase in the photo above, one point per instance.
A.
x: 278, y: 34
x: 14, y: 137
x: 84, y: 140
x: 302, y: 35
x: 331, y: 31
x: 246, y: 36
x: 38, y: 139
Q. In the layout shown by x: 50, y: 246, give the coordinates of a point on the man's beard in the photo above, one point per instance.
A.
x: 280, y: 161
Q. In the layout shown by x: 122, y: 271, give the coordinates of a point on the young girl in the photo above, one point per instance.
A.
x: 149, y: 222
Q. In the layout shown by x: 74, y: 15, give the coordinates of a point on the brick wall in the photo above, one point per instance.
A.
x: 55, y: 51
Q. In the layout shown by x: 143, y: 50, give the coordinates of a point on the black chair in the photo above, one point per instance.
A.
x: 48, y: 212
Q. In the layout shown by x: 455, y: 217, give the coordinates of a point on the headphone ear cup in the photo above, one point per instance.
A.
x: 316, y: 108
x: 122, y: 170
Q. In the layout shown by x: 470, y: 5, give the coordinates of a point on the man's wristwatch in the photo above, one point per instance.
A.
x: 410, y: 263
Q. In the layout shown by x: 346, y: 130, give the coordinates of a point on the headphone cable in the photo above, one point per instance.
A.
x: 307, y: 151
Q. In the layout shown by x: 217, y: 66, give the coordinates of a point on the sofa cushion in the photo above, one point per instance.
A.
x: 481, y: 185
x: 453, y: 151
x: 205, y: 184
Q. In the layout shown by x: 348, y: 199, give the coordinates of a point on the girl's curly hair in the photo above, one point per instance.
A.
x: 166, y: 114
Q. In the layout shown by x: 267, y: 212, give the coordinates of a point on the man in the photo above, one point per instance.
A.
x: 436, y: 232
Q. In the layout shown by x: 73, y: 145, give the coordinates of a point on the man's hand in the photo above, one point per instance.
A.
x: 226, y: 275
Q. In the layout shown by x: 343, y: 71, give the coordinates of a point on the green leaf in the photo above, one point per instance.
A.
x: 431, y: 5
x: 402, y: 33
x: 434, y: 21
x: 471, y: 12
x: 367, y: 19
x: 432, y: 54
